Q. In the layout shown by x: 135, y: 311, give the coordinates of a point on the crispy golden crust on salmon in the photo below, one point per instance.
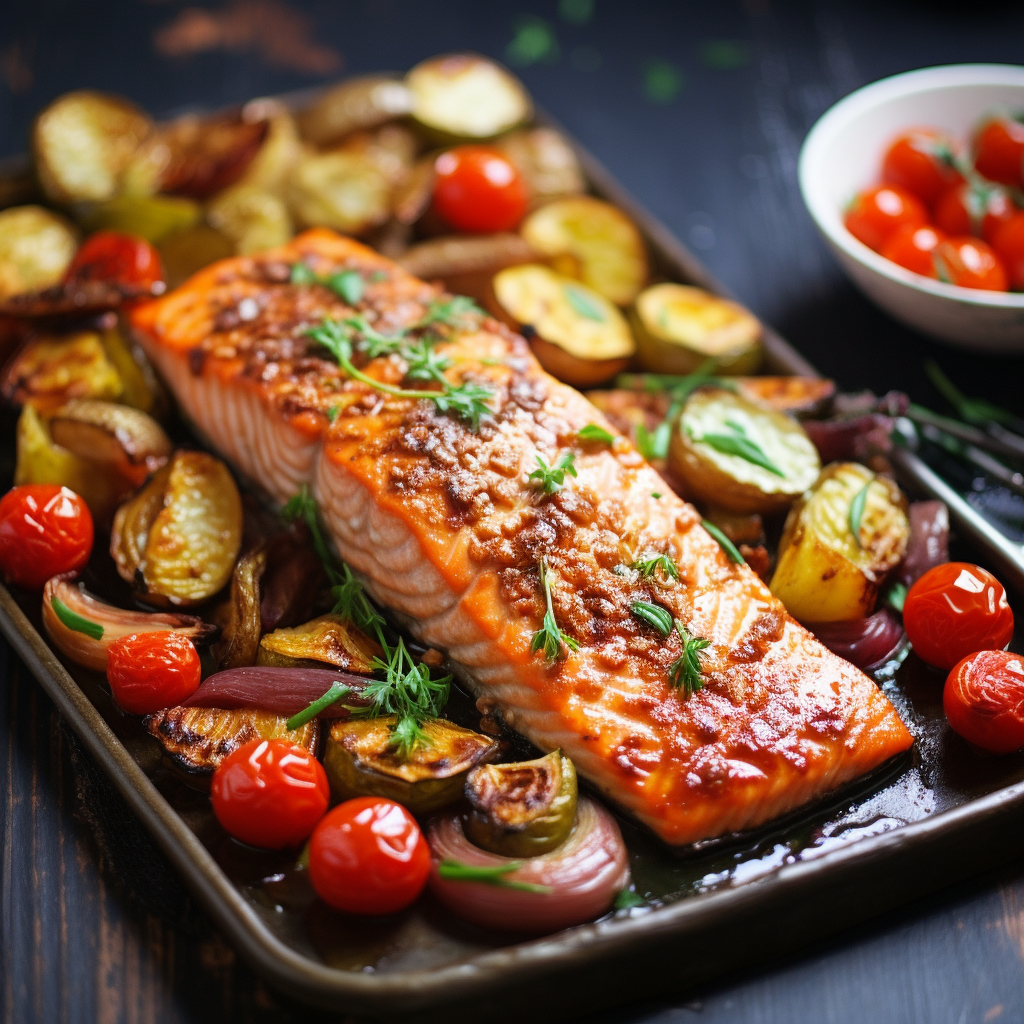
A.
x: 448, y: 530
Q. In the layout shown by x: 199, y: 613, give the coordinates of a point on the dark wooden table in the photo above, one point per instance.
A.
x: 94, y: 925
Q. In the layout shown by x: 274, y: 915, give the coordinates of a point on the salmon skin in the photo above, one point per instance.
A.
x: 447, y: 529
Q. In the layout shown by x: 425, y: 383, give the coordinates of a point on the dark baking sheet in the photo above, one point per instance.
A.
x: 938, y: 814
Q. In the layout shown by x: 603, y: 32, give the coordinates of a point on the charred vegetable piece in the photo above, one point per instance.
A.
x: 679, y: 327
x: 345, y: 191
x: 178, y: 538
x: 83, y: 144
x: 36, y: 248
x: 457, y: 255
x: 328, y: 639
x: 200, y: 738
x: 391, y: 149
x: 740, y: 456
x: 149, y: 217
x: 184, y: 252
x: 523, y: 809
x: 577, y: 335
x: 464, y: 97
x: 801, y: 396
x: 240, y: 641
x: 140, y: 386
x: 68, y: 611
x: 352, y: 106
x: 252, y: 218
x: 546, y: 161
x: 840, y: 541
x: 591, y: 240
x: 362, y: 760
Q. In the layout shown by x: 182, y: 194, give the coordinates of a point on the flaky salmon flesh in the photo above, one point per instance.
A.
x: 447, y: 529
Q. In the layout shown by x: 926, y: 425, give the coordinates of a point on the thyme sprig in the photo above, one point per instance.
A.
x: 549, y: 637
x: 685, y: 672
x: 552, y: 478
x: 647, y: 567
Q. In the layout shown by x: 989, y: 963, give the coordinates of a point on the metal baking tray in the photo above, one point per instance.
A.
x: 932, y: 817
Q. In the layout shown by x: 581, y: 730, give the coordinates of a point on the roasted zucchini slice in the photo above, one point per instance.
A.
x: 344, y: 191
x: 328, y: 639
x: 522, y: 809
x: 356, y: 105
x: 546, y: 162
x: 361, y: 760
x: 578, y: 335
x: 592, y: 240
x: 465, y: 97
x: 252, y: 218
x: 149, y: 217
x: 36, y: 248
x: 840, y: 541
x: 731, y: 452
x: 678, y: 328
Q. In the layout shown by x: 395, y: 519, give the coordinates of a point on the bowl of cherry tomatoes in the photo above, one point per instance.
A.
x: 916, y: 183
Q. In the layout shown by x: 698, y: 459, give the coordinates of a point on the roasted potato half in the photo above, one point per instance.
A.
x: 177, y: 540
x: 356, y: 105
x: 592, y: 240
x: 465, y: 97
x: 545, y: 160
x: 731, y: 452
x: 36, y: 248
x: 340, y: 190
x: 577, y: 334
x: 679, y: 327
x: 252, y: 218
x: 280, y: 149
x: 840, y: 541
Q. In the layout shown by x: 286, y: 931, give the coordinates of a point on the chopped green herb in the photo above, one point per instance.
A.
x: 647, y: 567
x: 685, y: 672
x: 552, y: 478
x: 727, y: 545
x: 425, y: 362
x: 625, y: 899
x: 302, y: 507
x: 592, y: 432
x: 655, y: 494
x: 456, y: 871
x: 348, y: 284
x: 75, y: 621
x: 332, y: 413
x: 336, y: 692
x: 583, y: 303
x: 653, y: 614
x: 895, y: 595
x: 740, y: 444
x: 452, y: 311
x: 549, y: 637
x: 856, y: 513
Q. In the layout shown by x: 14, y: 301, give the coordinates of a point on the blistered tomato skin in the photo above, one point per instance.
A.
x: 478, y: 189
x: 875, y: 214
x: 270, y: 793
x: 955, y: 610
x: 368, y: 856
x: 45, y: 529
x: 984, y: 701
x: 151, y: 671
x: 118, y: 258
x: 921, y: 161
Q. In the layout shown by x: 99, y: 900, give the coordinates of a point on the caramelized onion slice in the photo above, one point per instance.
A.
x: 582, y: 876
x: 864, y: 642
x: 928, y: 545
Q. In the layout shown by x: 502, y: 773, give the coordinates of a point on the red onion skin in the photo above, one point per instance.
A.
x: 863, y: 642
x: 929, y: 541
x: 281, y: 691
x: 584, y: 874
x: 842, y: 440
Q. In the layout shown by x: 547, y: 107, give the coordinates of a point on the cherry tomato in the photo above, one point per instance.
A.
x: 969, y: 209
x: 970, y: 263
x: 117, y: 258
x: 150, y: 671
x: 954, y: 610
x: 368, y: 856
x: 270, y: 793
x: 1009, y: 246
x: 999, y: 151
x: 911, y: 246
x: 45, y: 529
x: 984, y: 700
x: 478, y: 189
x: 921, y: 161
x: 876, y: 213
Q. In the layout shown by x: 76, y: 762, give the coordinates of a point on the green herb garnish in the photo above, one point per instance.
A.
x: 456, y: 871
x: 452, y: 311
x: 346, y: 284
x: 583, y: 303
x: 332, y: 413
x: 727, y: 545
x: 75, y: 621
x: 856, y: 513
x: 592, y: 432
x: 336, y: 692
x: 685, y: 672
x: 740, y: 444
x: 549, y: 637
x: 655, y: 494
x: 895, y: 595
x: 626, y: 898
x: 647, y: 567
x: 660, y: 618
x: 976, y: 411
x: 552, y: 478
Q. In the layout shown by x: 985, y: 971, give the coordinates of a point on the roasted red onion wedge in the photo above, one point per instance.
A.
x: 864, y: 642
x: 579, y: 880
x: 928, y: 545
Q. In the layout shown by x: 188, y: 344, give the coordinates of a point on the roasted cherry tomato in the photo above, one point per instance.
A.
x: 270, y: 793
x: 954, y: 610
x: 368, y: 856
x: 911, y: 246
x: 922, y: 161
x: 478, y: 189
x: 45, y: 529
x: 120, y: 259
x: 984, y: 700
x: 999, y: 151
x: 972, y: 209
x: 150, y: 671
x: 1009, y: 246
x: 876, y: 213
x: 970, y: 263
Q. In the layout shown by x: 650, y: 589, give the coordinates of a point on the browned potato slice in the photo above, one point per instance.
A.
x: 344, y: 191
x: 391, y: 149
x: 827, y: 572
x: 240, y: 641
x: 463, y: 96
x: 546, y: 161
x: 328, y: 639
x: 188, y: 251
x: 454, y: 255
x: 678, y: 328
x: 356, y: 105
x: 577, y: 335
x: 798, y: 395
x: 280, y: 149
x: 149, y: 217
x: 83, y: 143
x: 252, y: 218
x: 730, y: 452
x: 36, y: 247
x: 592, y: 240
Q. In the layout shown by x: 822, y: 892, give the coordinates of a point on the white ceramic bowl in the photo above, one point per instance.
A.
x: 843, y: 154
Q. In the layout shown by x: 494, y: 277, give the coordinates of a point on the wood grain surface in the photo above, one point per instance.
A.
x: 94, y: 925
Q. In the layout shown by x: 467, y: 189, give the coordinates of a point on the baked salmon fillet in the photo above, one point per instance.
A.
x: 446, y: 528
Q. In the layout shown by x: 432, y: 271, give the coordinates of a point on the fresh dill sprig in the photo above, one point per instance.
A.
x: 654, y: 615
x: 302, y: 507
x: 552, y: 478
x: 647, y: 567
x: 425, y: 362
x: 685, y: 672
x: 549, y: 637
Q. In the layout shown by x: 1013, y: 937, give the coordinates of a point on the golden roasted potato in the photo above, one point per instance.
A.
x: 678, y: 327
x: 83, y: 144
x: 36, y: 248
x: 149, y: 217
x: 798, y: 395
x: 187, y: 251
x: 140, y: 385
x: 546, y: 161
x: 178, y: 538
x: 840, y: 541
x: 391, y: 149
x: 280, y: 149
x: 590, y: 239
x: 328, y: 639
x: 344, y: 191
x: 356, y: 105
x: 731, y: 452
x: 252, y: 218
x: 577, y: 335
